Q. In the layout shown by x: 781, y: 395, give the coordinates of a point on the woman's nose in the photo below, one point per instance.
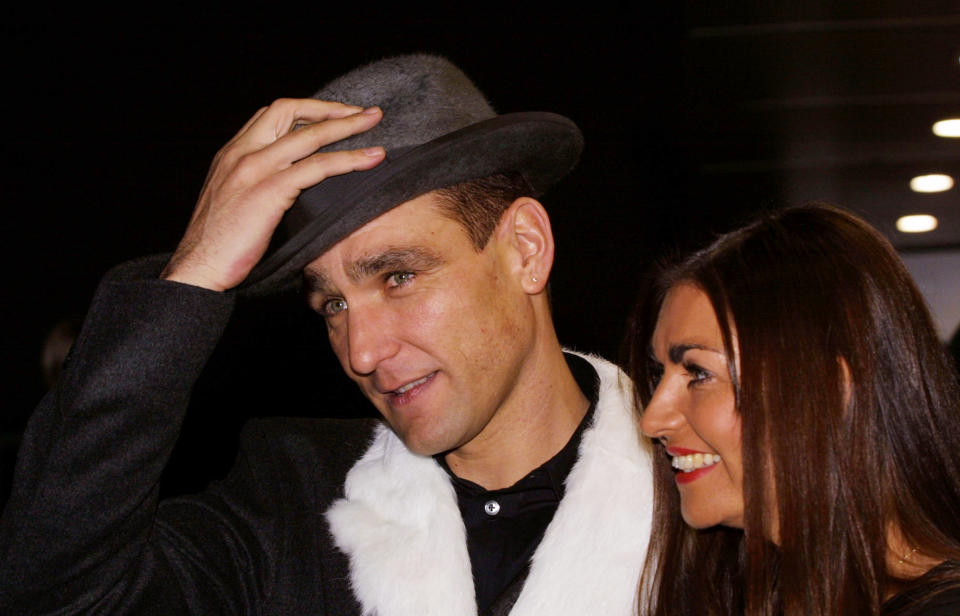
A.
x: 660, y: 417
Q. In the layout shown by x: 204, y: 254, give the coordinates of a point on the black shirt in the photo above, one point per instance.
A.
x: 505, y: 526
x: 936, y: 593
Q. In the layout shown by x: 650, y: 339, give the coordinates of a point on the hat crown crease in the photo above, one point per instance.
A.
x: 423, y: 97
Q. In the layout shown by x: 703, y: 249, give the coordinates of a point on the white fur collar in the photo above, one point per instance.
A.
x: 400, y: 526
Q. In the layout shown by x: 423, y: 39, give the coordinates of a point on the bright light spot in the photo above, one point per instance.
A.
x: 935, y: 182
x: 947, y: 128
x: 916, y: 223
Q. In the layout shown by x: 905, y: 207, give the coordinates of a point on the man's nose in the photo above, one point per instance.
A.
x: 370, y: 337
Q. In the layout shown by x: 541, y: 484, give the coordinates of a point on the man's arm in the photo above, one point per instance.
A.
x: 78, y: 532
x: 84, y: 493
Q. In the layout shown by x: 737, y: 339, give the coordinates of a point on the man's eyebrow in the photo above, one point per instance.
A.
x: 314, y: 282
x: 677, y: 351
x: 416, y: 258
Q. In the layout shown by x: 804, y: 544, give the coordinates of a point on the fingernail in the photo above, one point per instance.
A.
x: 371, y: 152
x: 371, y: 110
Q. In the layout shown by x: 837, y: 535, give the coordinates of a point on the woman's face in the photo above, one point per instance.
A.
x: 693, y: 413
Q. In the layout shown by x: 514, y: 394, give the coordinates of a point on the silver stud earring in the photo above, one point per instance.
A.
x: 535, y: 279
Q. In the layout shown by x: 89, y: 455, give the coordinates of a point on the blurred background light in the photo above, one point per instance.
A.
x: 947, y: 128
x: 916, y: 223
x: 931, y: 183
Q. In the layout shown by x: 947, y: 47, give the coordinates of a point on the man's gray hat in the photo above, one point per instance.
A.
x: 438, y: 130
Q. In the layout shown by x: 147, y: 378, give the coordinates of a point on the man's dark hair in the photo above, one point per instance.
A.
x: 478, y: 204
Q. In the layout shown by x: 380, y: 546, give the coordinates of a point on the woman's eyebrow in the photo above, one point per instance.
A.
x: 677, y: 351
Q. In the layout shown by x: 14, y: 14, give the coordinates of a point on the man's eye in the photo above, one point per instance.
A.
x: 399, y: 279
x: 333, y: 306
x: 697, y: 374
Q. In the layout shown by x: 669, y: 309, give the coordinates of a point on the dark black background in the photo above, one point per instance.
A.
x: 110, y: 121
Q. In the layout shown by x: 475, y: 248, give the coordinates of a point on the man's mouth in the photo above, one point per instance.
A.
x: 405, y: 388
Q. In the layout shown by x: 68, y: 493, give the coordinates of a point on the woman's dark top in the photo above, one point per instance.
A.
x: 937, y: 593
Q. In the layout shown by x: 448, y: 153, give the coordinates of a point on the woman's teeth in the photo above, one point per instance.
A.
x: 694, y: 461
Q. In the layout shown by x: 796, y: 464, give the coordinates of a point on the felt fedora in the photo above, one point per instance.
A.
x: 438, y: 130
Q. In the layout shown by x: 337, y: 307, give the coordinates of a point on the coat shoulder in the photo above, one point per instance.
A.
x: 332, y: 445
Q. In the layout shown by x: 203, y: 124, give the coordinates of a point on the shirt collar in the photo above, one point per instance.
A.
x: 552, y: 473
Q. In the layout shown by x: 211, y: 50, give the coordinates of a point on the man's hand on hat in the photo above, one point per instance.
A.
x: 256, y: 177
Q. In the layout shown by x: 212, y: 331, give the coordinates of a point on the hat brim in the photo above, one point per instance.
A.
x: 542, y: 146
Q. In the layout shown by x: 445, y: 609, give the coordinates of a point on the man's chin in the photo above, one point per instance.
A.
x: 422, y: 445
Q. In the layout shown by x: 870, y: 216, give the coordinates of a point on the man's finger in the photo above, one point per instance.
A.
x: 302, y: 143
x: 318, y: 167
x: 285, y: 113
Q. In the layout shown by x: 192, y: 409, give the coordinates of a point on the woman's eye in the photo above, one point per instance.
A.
x: 398, y: 279
x: 333, y: 306
x: 656, y: 374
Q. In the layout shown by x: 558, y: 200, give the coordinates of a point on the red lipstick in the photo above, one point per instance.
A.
x: 685, y: 477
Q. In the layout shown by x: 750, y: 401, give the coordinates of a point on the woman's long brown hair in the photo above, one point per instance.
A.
x: 848, y: 403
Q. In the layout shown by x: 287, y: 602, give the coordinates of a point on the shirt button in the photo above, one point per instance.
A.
x: 492, y: 507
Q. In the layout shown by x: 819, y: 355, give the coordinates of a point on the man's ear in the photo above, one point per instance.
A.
x: 526, y: 231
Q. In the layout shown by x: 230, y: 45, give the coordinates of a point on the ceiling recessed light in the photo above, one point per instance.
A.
x: 934, y: 182
x: 947, y: 128
x: 916, y: 223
